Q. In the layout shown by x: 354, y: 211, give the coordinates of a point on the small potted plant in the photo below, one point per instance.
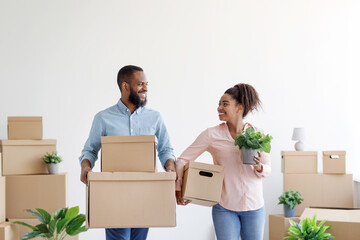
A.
x: 307, y: 229
x: 251, y: 142
x: 52, y: 160
x: 65, y: 221
x: 290, y: 199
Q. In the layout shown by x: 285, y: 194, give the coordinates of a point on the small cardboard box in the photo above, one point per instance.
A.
x: 33, y: 222
x: 334, y: 162
x: 2, y: 199
x: 9, y: 231
x: 34, y: 191
x: 299, y: 162
x: 345, y: 223
x: 130, y: 200
x: 202, y: 183
x: 21, y: 157
x: 128, y: 153
x: 279, y: 225
x: 21, y: 128
x: 323, y: 190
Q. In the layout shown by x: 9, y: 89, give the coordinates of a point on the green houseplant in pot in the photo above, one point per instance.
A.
x: 52, y: 160
x: 290, y: 199
x: 250, y: 142
x: 307, y: 229
x: 64, y: 222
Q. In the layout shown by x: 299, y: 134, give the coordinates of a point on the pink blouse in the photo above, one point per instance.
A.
x: 242, y: 186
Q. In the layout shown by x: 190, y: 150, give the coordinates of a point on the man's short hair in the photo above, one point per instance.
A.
x: 125, y: 74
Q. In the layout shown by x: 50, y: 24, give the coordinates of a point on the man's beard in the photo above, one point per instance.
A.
x: 134, y: 98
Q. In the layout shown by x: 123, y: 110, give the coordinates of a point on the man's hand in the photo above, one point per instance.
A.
x: 170, y: 165
x: 180, y: 200
x: 85, y: 168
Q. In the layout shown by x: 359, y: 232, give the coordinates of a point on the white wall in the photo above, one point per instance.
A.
x: 59, y: 60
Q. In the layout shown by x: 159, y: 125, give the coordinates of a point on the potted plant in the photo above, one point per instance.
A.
x: 56, y: 226
x: 52, y: 160
x: 290, y: 199
x: 250, y: 142
x: 307, y: 229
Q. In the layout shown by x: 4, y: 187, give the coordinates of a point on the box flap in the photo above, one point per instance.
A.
x: 204, y: 166
x: 333, y: 214
x: 20, y: 119
x: 327, y: 153
x: 27, y: 142
x: 131, y: 176
x: 128, y: 139
x: 298, y: 153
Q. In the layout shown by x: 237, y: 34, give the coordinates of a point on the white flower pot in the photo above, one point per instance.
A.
x: 53, y: 168
x: 248, y: 155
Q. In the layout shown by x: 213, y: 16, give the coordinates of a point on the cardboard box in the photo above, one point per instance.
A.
x: 25, y: 156
x: 21, y: 128
x: 33, y: 222
x: 299, y: 162
x: 130, y: 200
x: 2, y: 199
x: 334, y: 162
x: 345, y: 223
x: 202, y: 183
x: 279, y: 225
x: 128, y: 153
x: 34, y: 191
x: 0, y: 163
x: 321, y: 190
x: 9, y: 231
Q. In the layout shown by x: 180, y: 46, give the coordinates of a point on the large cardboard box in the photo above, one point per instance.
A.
x: 21, y: 128
x: 33, y: 222
x: 9, y: 231
x: 345, y: 223
x: 2, y: 199
x: 321, y: 190
x: 25, y: 156
x: 126, y: 199
x: 279, y: 225
x: 128, y: 153
x: 34, y: 191
x: 202, y: 183
x: 334, y: 162
x: 299, y: 162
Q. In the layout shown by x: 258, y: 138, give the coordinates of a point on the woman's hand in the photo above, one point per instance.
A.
x: 180, y: 200
x: 258, y: 167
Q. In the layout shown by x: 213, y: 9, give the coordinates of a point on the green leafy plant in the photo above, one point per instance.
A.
x: 307, y: 229
x: 65, y: 221
x: 52, y: 158
x: 290, y: 198
x: 254, y: 140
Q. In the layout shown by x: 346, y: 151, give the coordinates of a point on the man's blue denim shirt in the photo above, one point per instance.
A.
x: 118, y: 121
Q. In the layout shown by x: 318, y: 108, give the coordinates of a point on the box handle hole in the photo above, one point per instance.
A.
x: 205, y: 174
x: 334, y: 156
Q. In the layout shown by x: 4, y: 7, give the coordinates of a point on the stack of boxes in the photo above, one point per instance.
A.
x: 28, y: 184
x: 331, y: 189
x: 128, y: 192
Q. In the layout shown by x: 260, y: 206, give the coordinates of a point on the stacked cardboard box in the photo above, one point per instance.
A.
x: 26, y: 183
x: 128, y: 188
x: 331, y: 189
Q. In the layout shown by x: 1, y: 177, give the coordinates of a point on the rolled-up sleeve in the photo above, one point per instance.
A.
x: 164, y: 148
x: 93, y: 143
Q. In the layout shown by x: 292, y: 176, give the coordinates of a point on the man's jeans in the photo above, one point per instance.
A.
x: 126, y: 233
x: 230, y: 225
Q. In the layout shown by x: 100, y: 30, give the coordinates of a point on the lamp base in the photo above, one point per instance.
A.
x: 299, y: 146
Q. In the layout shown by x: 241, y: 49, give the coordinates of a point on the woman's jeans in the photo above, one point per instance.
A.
x: 230, y: 225
x: 126, y: 233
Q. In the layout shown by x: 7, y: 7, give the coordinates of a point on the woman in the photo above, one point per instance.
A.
x: 241, y: 209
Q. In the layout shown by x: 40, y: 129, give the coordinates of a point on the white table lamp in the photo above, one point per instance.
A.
x: 299, y: 136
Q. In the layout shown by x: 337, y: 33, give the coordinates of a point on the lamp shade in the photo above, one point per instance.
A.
x: 298, y: 134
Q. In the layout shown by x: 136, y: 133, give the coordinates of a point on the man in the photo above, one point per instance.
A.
x: 128, y: 117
